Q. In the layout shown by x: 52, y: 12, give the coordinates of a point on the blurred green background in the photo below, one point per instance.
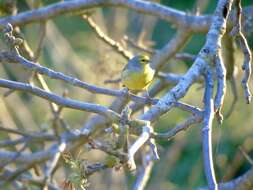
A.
x: 72, y: 47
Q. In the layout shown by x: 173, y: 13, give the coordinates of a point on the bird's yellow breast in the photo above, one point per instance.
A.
x: 137, y: 79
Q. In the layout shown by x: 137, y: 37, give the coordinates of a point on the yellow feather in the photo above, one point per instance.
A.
x: 137, y: 79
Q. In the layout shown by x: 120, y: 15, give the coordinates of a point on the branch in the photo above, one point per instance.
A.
x: 108, y: 149
x: 170, y: 78
x: 42, y: 34
x: 26, y: 51
x: 172, y: 15
x: 179, y: 56
x: 26, y: 137
x: 53, y: 163
x: 160, y: 57
x: 27, y: 179
x: 144, y: 173
x: 30, y: 138
x: 180, y: 127
x: 13, y: 58
x: 65, y: 102
x: 207, y: 132
x: 98, y: 122
x: 246, y: 155
x: 221, y: 86
x: 13, y: 175
x: 176, y: 17
x: 189, y: 108
x: 207, y: 53
x: 145, y: 135
x: 170, y: 49
x: 3, y: 164
x: 243, y: 182
x: 116, y: 45
x: 138, y: 47
x: 165, y: 103
x: 36, y: 157
x: 237, y: 30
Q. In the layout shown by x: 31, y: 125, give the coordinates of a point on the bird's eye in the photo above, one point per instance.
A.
x: 144, y: 59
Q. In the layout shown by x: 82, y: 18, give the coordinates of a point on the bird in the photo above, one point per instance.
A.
x: 137, y: 74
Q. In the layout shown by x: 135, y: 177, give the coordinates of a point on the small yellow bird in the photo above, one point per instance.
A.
x: 137, y: 74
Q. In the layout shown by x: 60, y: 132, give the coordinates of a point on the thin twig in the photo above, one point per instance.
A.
x: 12, y: 176
x: 235, y: 96
x: 185, y: 57
x: 246, y: 155
x: 244, y: 182
x: 100, y: 34
x: 53, y: 163
x: 170, y: 49
x: 18, y: 153
x: 28, y: 138
x: 141, y: 48
x: 42, y: 34
x: 14, y: 131
x: 25, y: 49
x: 237, y: 31
x: 105, y: 147
x: 179, y: 56
x: 187, y: 107
x: 180, y: 127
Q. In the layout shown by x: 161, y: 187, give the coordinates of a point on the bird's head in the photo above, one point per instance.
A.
x: 141, y: 60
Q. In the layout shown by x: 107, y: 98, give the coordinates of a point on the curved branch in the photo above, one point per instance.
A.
x: 172, y: 15
x: 208, y: 51
x: 170, y: 49
x: 29, y: 158
x: 207, y: 132
x: 100, y: 34
x: 176, y: 17
x: 243, y: 182
x: 180, y: 127
x: 14, y: 58
x: 65, y: 102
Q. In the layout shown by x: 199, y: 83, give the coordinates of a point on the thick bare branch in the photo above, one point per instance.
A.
x: 208, y: 51
x: 174, y: 16
x: 65, y: 102
x: 179, y: 18
x: 145, y: 135
x: 13, y: 58
x: 207, y: 132
x: 36, y: 157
